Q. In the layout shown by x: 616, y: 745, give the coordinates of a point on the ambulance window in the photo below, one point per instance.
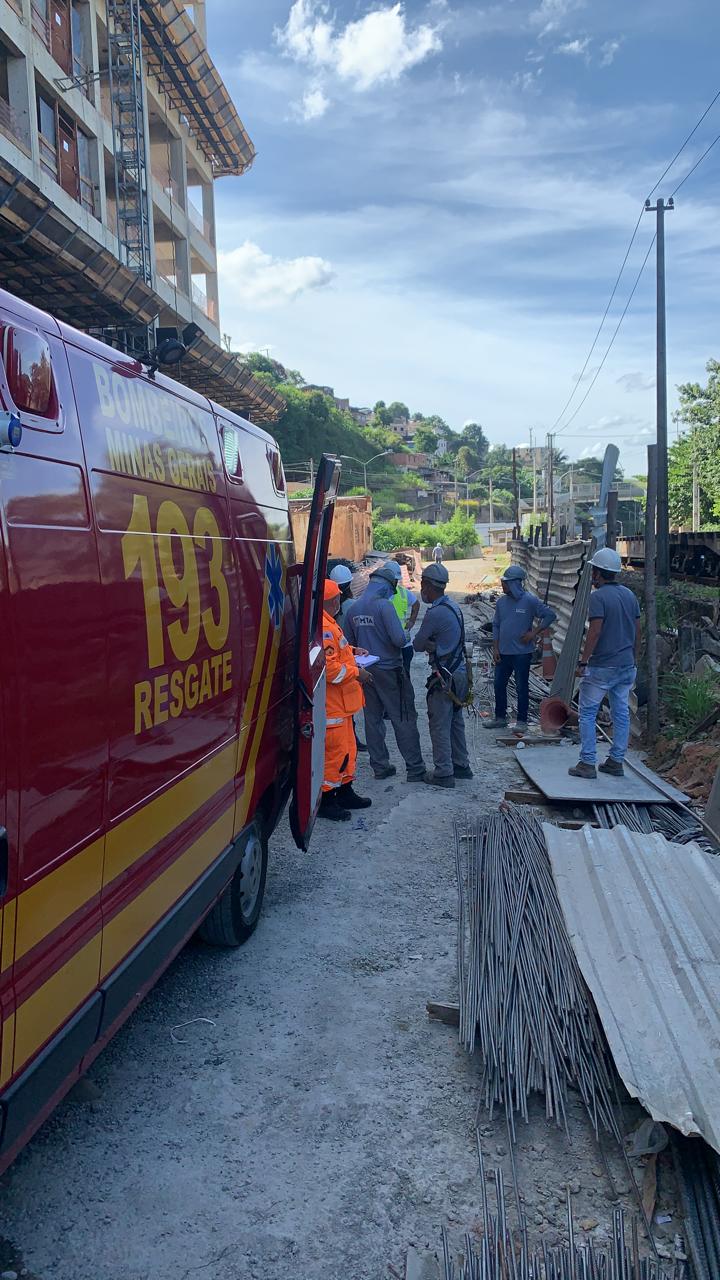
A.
x: 28, y: 368
x: 231, y: 451
x: 276, y: 470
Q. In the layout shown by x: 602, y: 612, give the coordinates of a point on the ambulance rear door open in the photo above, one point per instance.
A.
x: 309, y: 751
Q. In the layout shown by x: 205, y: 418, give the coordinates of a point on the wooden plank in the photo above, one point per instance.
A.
x: 447, y: 1013
x: 525, y: 797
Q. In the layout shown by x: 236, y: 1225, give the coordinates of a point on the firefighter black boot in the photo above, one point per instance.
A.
x: 349, y: 799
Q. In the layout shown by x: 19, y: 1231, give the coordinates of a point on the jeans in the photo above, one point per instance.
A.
x: 519, y: 664
x: 617, y: 683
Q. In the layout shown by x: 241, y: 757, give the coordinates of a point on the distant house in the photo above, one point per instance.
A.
x: 412, y: 461
x: 362, y: 416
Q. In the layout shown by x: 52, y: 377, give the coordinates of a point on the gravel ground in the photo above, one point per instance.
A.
x: 319, y: 1124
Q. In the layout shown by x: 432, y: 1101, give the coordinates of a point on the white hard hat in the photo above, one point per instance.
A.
x: 607, y: 559
x: 341, y: 574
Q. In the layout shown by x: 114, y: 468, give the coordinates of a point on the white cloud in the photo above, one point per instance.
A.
x: 527, y: 81
x: 608, y: 51
x: 574, y: 48
x: 636, y: 381
x: 587, y: 375
x: 314, y: 104
x: 377, y: 48
x: 551, y: 13
x: 255, y: 279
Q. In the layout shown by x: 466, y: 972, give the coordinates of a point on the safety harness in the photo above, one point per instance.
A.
x: 442, y: 676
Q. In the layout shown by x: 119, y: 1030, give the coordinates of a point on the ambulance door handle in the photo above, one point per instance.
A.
x: 4, y: 862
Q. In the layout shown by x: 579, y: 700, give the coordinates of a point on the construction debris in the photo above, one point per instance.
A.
x: 522, y: 995
x: 502, y: 1254
x: 642, y: 917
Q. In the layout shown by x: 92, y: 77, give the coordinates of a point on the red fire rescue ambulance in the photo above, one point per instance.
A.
x: 161, y: 692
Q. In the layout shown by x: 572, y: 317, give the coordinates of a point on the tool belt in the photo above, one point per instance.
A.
x: 441, y: 679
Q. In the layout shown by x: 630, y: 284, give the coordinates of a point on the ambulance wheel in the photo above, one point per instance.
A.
x: 235, y: 915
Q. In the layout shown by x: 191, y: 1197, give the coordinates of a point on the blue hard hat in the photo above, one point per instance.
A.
x: 513, y: 573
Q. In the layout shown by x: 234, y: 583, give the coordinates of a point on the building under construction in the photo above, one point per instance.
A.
x: 114, y: 123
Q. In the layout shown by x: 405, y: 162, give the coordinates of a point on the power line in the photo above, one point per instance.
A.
x: 608, y: 349
x: 697, y: 164
x: 623, y: 264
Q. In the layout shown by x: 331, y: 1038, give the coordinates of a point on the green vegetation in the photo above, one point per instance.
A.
x: 700, y: 449
x: 458, y: 532
x: 672, y: 602
x: 688, y: 699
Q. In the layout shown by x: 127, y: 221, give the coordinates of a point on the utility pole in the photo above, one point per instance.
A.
x: 516, y: 494
x: 653, y: 715
x: 312, y: 473
x: 492, y: 521
x: 663, y: 519
x: 551, y: 499
x: 534, y: 471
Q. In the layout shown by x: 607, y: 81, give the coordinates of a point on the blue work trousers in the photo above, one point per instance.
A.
x: 617, y: 683
x: 517, y: 664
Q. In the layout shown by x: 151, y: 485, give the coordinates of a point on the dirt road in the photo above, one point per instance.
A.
x: 317, y: 1124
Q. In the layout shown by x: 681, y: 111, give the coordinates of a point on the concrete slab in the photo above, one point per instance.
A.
x: 548, y: 769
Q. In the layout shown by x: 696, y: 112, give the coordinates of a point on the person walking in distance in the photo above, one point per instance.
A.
x: 344, y: 697
x: 608, y: 664
x: 438, y: 553
x: 442, y: 637
x: 520, y: 619
x: 407, y: 607
x: 372, y: 623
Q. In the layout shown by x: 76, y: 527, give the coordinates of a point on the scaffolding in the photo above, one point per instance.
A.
x: 127, y: 97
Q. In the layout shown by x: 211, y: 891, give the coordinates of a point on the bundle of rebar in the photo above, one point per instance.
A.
x: 697, y: 1168
x: 500, y: 1255
x: 523, y: 999
x: 677, y: 824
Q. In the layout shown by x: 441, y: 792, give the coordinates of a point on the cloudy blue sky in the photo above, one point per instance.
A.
x: 444, y: 192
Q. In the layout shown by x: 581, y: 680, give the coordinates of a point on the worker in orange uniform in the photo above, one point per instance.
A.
x: 344, y: 697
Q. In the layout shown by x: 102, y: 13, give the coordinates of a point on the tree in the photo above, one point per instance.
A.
x: 398, y: 411
x: 474, y: 437
x: 382, y: 416
x: 425, y: 440
x: 466, y: 461
x: 700, y: 411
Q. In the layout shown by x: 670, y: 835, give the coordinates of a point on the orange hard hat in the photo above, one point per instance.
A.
x: 331, y: 590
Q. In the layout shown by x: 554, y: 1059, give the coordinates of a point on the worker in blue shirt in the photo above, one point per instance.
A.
x: 520, y: 619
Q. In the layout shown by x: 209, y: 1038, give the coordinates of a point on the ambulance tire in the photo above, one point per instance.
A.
x: 234, y: 917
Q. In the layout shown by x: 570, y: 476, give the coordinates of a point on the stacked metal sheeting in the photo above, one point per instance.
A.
x: 523, y: 999
x: 697, y: 1168
x: 500, y: 1255
x: 538, y: 563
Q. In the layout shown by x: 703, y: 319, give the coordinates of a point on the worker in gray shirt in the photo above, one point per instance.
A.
x: 520, y: 618
x: 371, y: 622
x: 442, y: 637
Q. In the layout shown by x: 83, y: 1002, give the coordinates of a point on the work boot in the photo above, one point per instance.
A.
x: 583, y: 770
x: 388, y: 771
x: 463, y: 771
x: 417, y: 777
x: 349, y: 799
x: 498, y: 722
x: 520, y: 726
x: 613, y: 767
x: 433, y: 780
x: 331, y: 808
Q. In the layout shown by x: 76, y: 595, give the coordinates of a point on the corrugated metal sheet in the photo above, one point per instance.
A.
x: 538, y: 563
x: 644, y: 919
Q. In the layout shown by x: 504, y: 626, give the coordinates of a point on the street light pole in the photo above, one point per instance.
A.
x: 348, y: 457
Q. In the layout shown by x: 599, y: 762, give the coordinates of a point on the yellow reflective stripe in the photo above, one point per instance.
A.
x: 7, y: 1036
x: 243, y: 806
x: 130, y: 925
x: 46, y: 904
x: 249, y: 708
x: 146, y: 827
x: 7, y: 930
x: 53, y: 1003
